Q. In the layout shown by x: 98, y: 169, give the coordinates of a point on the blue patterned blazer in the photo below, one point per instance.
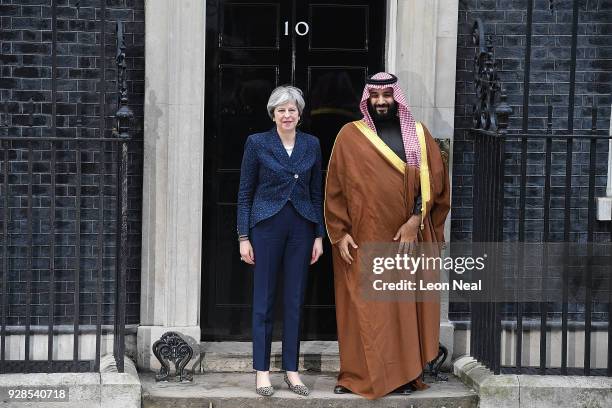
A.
x: 269, y: 177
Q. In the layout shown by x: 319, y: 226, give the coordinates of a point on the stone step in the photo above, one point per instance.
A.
x: 228, y: 356
x: 231, y: 390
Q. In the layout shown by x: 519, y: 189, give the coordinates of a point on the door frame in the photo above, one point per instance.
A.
x: 391, y: 36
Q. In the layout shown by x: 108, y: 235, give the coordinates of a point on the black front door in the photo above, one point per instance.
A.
x: 324, y: 48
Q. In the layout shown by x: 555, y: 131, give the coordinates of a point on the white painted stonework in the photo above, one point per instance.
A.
x: 63, y: 346
x: 106, y: 389
x: 173, y: 173
x: 425, y: 60
x: 604, y: 204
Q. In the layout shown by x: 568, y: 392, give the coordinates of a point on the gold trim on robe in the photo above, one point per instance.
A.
x: 423, y: 173
x: 382, y: 147
x: 399, y: 164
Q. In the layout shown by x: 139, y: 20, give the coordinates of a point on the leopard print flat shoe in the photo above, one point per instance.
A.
x: 264, y: 391
x: 298, y: 389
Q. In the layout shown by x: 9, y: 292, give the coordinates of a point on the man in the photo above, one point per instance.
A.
x: 386, y: 182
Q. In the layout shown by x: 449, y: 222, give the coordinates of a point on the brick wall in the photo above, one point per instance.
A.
x: 506, y: 21
x: 26, y: 68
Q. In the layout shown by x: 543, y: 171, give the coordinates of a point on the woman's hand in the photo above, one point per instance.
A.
x: 407, y: 234
x: 246, y: 252
x: 317, y: 250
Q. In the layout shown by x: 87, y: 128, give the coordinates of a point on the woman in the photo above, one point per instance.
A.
x: 280, y: 228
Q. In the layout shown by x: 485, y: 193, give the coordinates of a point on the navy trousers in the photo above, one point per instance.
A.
x: 282, y: 244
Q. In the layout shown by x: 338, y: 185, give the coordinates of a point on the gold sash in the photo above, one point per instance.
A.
x: 423, y: 173
x: 399, y: 164
x: 381, y: 146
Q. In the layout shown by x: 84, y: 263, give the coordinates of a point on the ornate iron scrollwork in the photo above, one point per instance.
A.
x: 124, y: 118
x: 486, y: 114
x: 172, y: 347
x: 445, y: 147
x: 435, y: 365
x: 124, y: 114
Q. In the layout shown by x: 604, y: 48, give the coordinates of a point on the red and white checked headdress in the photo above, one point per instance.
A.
x: 408, y: 125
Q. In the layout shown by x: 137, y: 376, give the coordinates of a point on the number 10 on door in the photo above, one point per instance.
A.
x: 301, y: 28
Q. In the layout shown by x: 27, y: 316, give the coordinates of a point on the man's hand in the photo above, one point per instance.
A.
x: 344, y: 247
x: 317, y: 250
x: 407, y: 234
x: 246, y: 252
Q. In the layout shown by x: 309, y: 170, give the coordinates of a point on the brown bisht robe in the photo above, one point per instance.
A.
x: 383, y: 344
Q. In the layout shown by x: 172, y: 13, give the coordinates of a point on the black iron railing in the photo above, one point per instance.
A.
x: 511, y: 163
x: 43, y: 176
x: 489, y: 319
